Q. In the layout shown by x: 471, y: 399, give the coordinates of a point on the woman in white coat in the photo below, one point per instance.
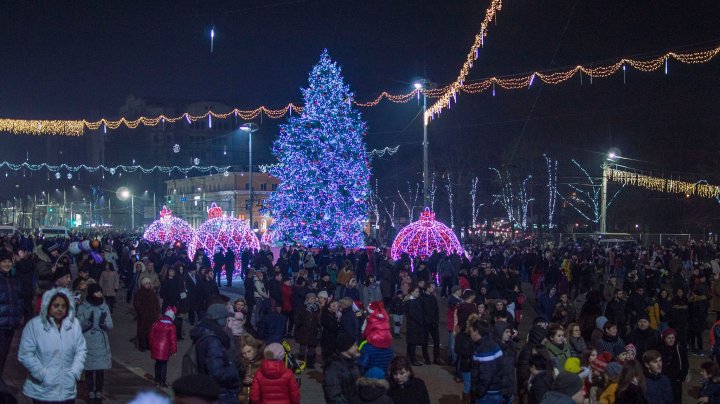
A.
x: 52, y: 348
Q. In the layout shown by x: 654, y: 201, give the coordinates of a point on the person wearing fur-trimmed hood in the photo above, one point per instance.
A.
x: 52, y: 349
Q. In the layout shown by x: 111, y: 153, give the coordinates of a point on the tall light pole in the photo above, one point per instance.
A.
x: 421, y: 86
x: 614, y: 153
x: 123, y: 193
x: 250, y: 128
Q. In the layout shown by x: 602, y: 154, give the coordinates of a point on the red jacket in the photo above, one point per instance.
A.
x: 274, y: 383
x: 163, y: 341
x: 287, y: 298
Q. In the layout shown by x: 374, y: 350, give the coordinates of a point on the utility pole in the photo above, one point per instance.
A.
x: 603, y: 201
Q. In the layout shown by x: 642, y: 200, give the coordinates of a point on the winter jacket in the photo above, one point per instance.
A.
x: 330, y: 329
x: 559, y: 354
x: 414, y: 322
x: 163, y: 339
x: 374, y: 357
x: 287, y: 303
x: 413, y: 391
x: 272, y: 327
x: 376, y: 329
x: 53, y: 357
x: 11, y: 306
x: 631, y: 395
x: 540, y: 384
x: 715, y: 295
x: 487, y: 367
x: 658, y: 389
x: 644, y: 340
x: 675, y: 363
x: 307, y: 323
x: 577, y: 346
x: 236, y: 323
x: 349, y: 322
x: 373, y: 391
x: 608, y: 394
x: 109, y: 282
x: 212, y: 347
x: 608, y: 344
x: 260, y: 292
x: 274, y: 383
x: 711, y: 390
x: 430, y: 310
x: 95, y: 321
x: 464, y: 348
x: 554, y: 397
x: 370, y: 294
x: 147, y: 307
x: 339, y: 382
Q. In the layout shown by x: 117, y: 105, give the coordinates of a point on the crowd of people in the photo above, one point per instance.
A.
x: 615, y: 326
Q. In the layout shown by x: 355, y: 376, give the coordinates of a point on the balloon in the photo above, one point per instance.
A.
x: 74, y: 248
x: 85, y: 246
x: 95, y: 244
x: 96, y: 257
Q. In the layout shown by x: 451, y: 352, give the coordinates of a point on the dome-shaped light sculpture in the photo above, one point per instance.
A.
x: 422, y: 238
x: 226, y: 232
x: 169, y: 229
x: 269, y: 238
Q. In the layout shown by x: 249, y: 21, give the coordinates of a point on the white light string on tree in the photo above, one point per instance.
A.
x: 552, y: 169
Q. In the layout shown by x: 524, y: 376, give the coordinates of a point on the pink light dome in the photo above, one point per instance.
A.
x: 169, y: 229
x: 423, y: 237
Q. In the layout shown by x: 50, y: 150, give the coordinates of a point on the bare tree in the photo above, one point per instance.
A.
x: 411, y: 200
x: 432, y: 191
x: 475, y: 205
x: 552, y: 168
x: 449, y: 189
x: 585, y: 198
x: 514, y: 199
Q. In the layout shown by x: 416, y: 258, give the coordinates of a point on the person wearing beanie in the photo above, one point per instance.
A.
x: 274, y: 382
x: 61, y: 277
x: 643, y: 337
x: 675, y: 363
x: 341, y: 372
x: 11, y: 307
x: 373, y: 387
x: 536, y: 336
x: 147, y: 307
x: 567, y: 388
x: 597, y: 333
x: 540, y: 381
x: 272, y: 325
x: 572, y: 365
x: 163, y: 344
x: 213, y: 345
x: 95, y: 320
x: 196, y: 389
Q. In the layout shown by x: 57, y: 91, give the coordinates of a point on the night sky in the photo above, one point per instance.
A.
x: 81, y: 59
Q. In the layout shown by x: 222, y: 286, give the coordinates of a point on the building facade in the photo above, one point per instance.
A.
x: 189, y: 198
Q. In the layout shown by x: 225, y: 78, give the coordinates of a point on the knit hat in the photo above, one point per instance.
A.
x: 605, y: 357
x: 375, y: 373
x: 598, y: 365
x: 613, y: 369
x: 169, y: 312
x: 5, y: 255
x: 146, y: 280
x: 537, y: 334
x: 631, y: 347
x: 197, y: 386
x: 567, y: 383
x: 323, y: 294
x: 600, y: 322
x: 274, y: 351
x: 60, y: 272
x: 572, y: 365
x: 643, y: 317
x: 455, y: 288
x: 618, y: 349
x: 345, y: 342
x: 667, y: 332
x: 92, y: 288
x: 217, y: 311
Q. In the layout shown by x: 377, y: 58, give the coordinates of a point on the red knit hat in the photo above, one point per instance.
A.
x: 668, y: 332
x: 598, y: 365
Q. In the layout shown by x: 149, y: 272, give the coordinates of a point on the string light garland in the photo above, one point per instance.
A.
x: 473, y: 199
x: 221, y: 231
x: 699, y: 188
x: 264, y: 168
x: 451, y: 196
x: 111, y: 169
x: 169, y: 229
x: 557, y: 77
x: 450, y: 93
x: 423, y: 237
x: 552, y: 169
x: 42, y: 127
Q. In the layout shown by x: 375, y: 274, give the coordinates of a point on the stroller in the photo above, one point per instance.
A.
x: 291, y: 362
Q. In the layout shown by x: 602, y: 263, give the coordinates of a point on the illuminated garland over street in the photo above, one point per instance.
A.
x: 699, y: 188
x: 557, y: 77
x: 422, y: 238
x: 452, y: 90
x: 112, y: 169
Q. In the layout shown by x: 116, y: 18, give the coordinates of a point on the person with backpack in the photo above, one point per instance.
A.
x: 274, y: 382
x: 163, y: 344
x: 213, y: 353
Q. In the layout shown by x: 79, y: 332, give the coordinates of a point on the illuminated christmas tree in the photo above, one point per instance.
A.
x: 323, y: 170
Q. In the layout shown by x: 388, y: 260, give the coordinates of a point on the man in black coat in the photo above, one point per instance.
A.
x: 341, y: 373
x: 10, y: 305
x: 214, y: 347
x: 414, y: 325
x: 274, y: 290
x: 25, y: 273
x: 218, y: 262
x: 192, y: 285
x: 431, y: 317
x: 229, y: 266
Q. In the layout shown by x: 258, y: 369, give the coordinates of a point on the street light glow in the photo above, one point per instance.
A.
x: 418, y: 86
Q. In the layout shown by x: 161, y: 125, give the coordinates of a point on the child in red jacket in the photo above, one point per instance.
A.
x: 274, y: 382
x: 163, y: 344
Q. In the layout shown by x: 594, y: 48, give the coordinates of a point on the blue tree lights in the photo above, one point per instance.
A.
x: 324, y: 170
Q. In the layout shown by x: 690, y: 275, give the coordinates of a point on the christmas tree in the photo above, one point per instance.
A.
x: 323, y: 171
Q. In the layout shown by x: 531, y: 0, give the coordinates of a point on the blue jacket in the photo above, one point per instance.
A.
x: 349, y: 322
x: 374, y: 357
x: 10, y: 302
x: 658, y: 389
x: 211, y: 347
x: 272, y: 327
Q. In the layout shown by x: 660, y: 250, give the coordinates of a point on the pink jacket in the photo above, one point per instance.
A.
x: 236, y: 323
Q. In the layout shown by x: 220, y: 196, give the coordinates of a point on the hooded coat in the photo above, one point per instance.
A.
x: 95, y: 321
x: 307, y: 323
x: 274, y: 383
x: 373, y: 391
x: 147, y: 307
x: 53, y: 357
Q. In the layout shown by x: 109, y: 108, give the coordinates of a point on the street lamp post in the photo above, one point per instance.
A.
x: 123, y: 193
x: 421, y: 86
x: 250, y: 128
x: 611, y: 156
